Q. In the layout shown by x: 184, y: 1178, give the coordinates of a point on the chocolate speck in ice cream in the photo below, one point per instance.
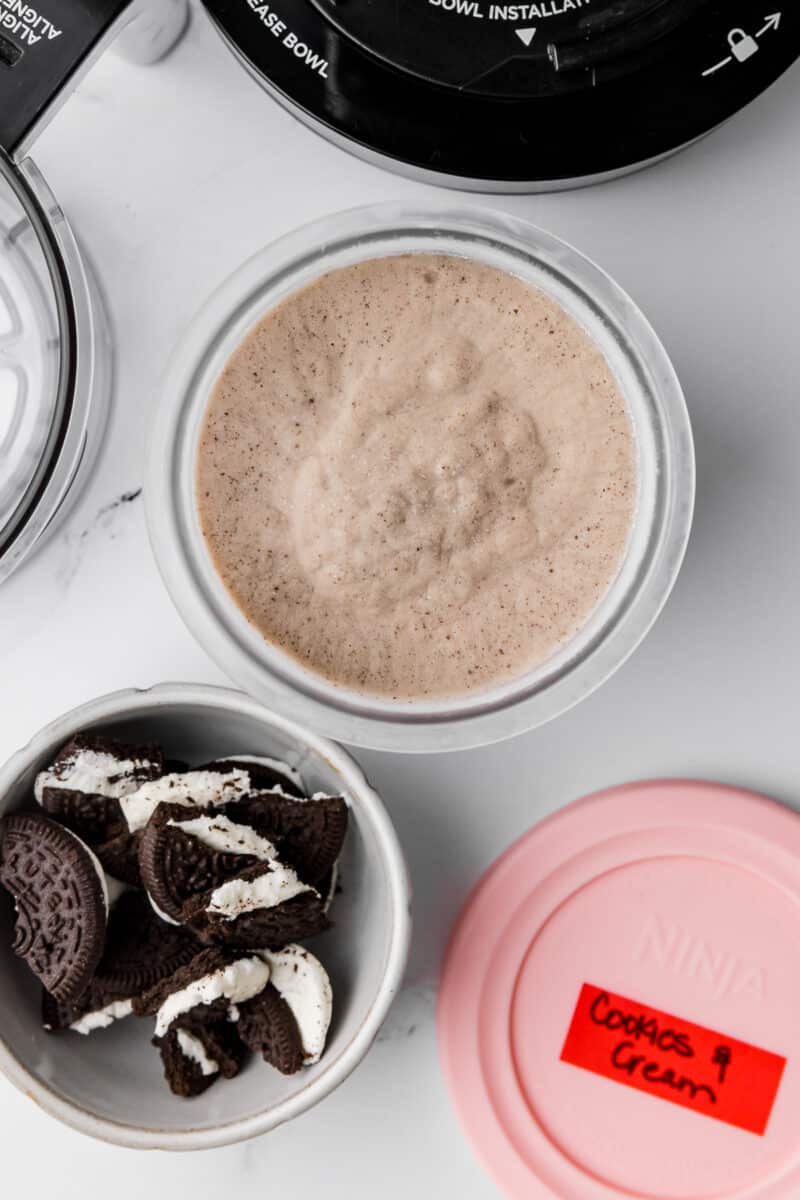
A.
x: 417, y: 476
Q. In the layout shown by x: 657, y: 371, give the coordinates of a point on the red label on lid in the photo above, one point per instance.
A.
x: 673, y: 1059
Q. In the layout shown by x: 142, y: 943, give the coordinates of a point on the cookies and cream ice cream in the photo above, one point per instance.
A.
x: 417, y: 476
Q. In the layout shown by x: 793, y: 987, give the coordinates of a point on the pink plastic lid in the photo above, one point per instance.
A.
x: 620, y: 1008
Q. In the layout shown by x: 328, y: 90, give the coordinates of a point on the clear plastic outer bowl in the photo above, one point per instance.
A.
x: 55, y: 365
x: 110, y: 1085
x: 665, y: 478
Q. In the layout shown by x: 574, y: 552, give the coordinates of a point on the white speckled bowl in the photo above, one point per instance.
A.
x: 110, y: 1085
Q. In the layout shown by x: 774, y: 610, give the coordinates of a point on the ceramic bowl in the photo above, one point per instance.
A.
x: 110, y: 1084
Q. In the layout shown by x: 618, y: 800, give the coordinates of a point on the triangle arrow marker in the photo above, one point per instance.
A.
x: 773, y: 22
x: 526, y: 36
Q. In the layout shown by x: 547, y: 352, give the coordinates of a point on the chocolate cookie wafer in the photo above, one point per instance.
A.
x: 83, y: 788
x: 288, y: 1022
x: 100, y: 766
x: 120, y: 858
x: 206, y: 990
x: 61, y: 902
x: 184, y: 853
x: 266, y: 774
x: 175, y: 766
x: 93, y: 817
x: 195, y: 1057
x: 267, y: 1026
x: 308, y: 833
x: 198, y: 788
x: 189, y: 790
x: 206, y: 962
x: 189, y: 1068
x: 140, y: 951
x: 265, y: 906
x: 220, y: 1040
x: 94, y: 1010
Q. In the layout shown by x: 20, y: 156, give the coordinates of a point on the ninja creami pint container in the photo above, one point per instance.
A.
x: 422, y: 478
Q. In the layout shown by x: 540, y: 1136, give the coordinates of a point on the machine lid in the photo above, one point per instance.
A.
x: 548, y: 92
x: 512, y: 51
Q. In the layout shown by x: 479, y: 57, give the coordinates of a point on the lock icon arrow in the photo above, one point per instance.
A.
x: 742, y: 45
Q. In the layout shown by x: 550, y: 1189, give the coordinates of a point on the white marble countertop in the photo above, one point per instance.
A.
x: 172, y: 175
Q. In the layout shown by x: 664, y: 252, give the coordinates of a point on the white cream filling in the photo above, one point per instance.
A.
x: 302, y: 981
x: 239, y: 896
x: 193, y: 1049
x: 219, y: 833
x: 92, y: 771
x: 103, y: 1017
x: 200, y: 789
x: 236, y: 983
x: 159, y: 913
x: 276, y: 764
x: 97, y: 865
x: 332, y: 889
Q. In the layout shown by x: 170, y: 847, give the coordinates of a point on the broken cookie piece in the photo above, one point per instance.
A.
x: 288, y: 1022
x: 266, y: 774
x: 140, y: 951
x: 197, y: 1055
x: 309, y: 833
x: 100, y: 766
x: 265, y: 906
x: 183, y: 854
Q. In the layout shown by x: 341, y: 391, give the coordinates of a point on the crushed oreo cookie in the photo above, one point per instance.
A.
x: 264, y: 907
x: 267, y: 1027
x: 308, y: 833
x: 146, y: 887
x: 177, y: 862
